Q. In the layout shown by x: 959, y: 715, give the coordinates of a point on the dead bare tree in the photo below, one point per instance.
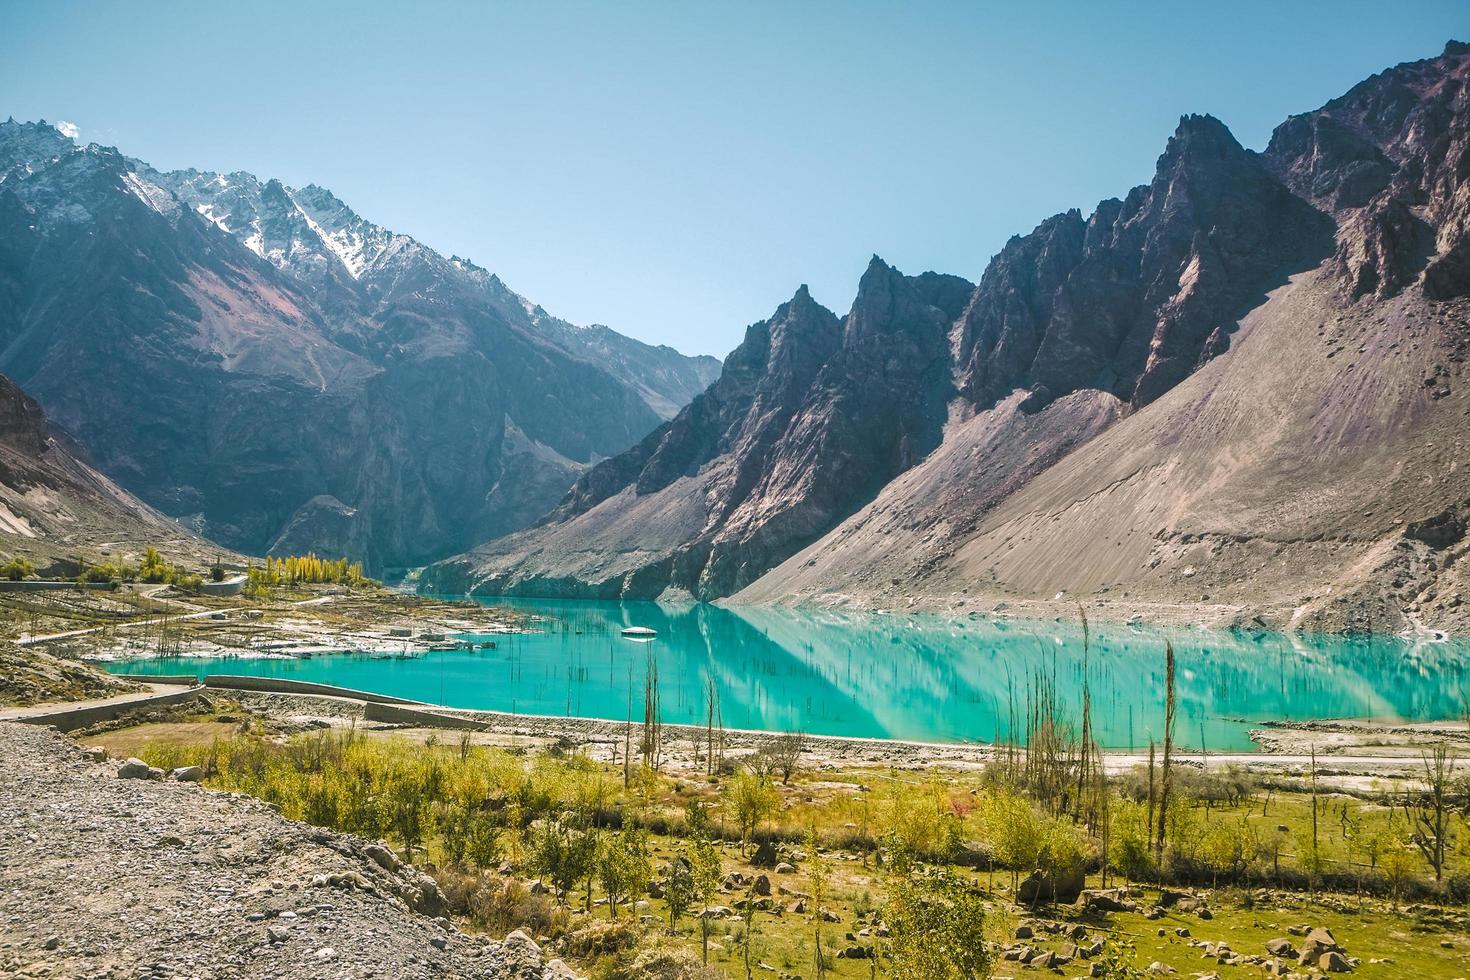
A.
x: 785, y: 753
x: 651, y: 745
x: 1428, y: 811
x: 628, y: 734
x: 714, y: 729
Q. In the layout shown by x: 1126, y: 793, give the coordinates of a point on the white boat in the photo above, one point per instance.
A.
x: 639, y: 632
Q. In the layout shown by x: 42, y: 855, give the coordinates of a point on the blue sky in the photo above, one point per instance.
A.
x: 676, y: 170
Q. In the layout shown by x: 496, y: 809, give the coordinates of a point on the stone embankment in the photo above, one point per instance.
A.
x: 108, y: 871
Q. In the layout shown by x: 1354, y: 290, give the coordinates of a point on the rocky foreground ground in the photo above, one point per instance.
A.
x: 104, y: 876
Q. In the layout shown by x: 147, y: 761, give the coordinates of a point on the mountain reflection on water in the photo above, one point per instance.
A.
x: 902, y: 676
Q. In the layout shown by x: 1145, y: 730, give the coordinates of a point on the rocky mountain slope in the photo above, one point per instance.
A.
x: 1312, y: 478
x: 1235, y: 388
x: 267, y: 365
x: 55, y: 506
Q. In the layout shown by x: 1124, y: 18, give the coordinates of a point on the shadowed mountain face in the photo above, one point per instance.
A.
x: 54, y: 506
x: 1139, y: 295
x: 1247, y: 353
x: 281, y: 374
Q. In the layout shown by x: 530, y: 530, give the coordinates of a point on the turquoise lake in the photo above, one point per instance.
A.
x: 899, y: 676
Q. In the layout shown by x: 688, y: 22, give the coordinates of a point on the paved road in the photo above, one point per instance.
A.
x: 31, y: 711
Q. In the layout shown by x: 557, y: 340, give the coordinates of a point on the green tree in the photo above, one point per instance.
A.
x: 551, y: 856
x: 1017, y: 832
x: 704, y: 868
x: 623, y: 867
x: 937, y: 923
x: 752, y: 799
x: 153, y: 568
x: 679, y: 889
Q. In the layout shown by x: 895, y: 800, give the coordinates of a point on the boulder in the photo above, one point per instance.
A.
x: 1321, y: 938
x: 785, y: 868
x: 1039, y: 887
x: 1334, y: 962
x: 383, y: 857
x: 1105, y: 900
x: 136, y: 769
x: 188, y: 774
x: 1281, y: 946
x: 764, y: 856
x: 761, y: 885
x: 1317, y: 944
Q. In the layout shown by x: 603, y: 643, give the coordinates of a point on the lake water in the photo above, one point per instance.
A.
x: 900, y: 676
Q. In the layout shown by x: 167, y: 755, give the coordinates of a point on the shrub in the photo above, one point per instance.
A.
x: 663, y: 961
x: 17, y: 568
x: 603, y: 937
x: 501, y: 905
x: 119, y: 571
x: 938, y: 926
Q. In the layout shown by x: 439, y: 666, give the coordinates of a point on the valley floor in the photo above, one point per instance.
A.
x: 103, y: 876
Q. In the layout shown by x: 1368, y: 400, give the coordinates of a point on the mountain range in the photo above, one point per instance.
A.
x: 1237, y: 390
x: 278, y: 374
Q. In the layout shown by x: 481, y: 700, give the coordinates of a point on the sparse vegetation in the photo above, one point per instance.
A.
x: 568, y: 823
x: 17, y: 569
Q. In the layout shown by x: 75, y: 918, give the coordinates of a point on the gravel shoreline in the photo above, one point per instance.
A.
x: 102, y: 876
x: 1348, y: 747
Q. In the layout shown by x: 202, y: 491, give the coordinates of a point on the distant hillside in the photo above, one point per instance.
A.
x: 1237, y: 389
x: 55, y: 506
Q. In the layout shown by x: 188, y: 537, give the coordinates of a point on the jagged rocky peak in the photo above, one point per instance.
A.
x: 792, y: 345
x: 308, y: 232
x: 33, y: 143
x: 1149, y: 287
x: 743, y: 411
x: 1008, y: 315
x: 1390, y: 159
